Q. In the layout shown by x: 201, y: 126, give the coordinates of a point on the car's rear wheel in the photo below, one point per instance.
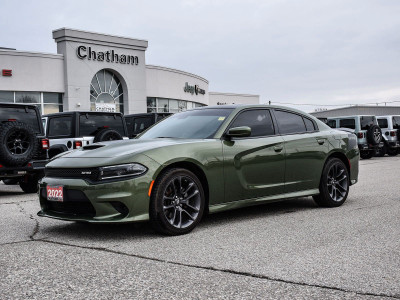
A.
x: 334, y: 184
x: 366, y: 154
x: 382, y: 151
x: 177, y: 202
x: 29, y: 184
x: 392, y: 152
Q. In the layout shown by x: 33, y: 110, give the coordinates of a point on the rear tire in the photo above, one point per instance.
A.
x: 18, y: 143
x: 380, y: 152
x: 177, y: 202
x: 366, y: 154
x: 392, y: 152
x: 30, y: 183
x: 334, y: 184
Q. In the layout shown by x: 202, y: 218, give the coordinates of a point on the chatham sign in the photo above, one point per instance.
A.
x: 84, y: 52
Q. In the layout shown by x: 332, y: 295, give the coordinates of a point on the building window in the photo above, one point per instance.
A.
x: 6, y: 96
x: 52, y: 103
x: 169, y: 105
x: 46, y: 102
x: 106, y: 92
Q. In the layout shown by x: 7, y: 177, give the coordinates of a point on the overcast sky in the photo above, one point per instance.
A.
x: 305, y: 52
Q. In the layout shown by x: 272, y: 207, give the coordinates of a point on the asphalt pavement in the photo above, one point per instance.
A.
x: 285, y: 250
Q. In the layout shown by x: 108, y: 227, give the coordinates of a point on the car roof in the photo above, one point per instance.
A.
x: 348, y: 117
x: 244, y: 106
x: 18, y: 104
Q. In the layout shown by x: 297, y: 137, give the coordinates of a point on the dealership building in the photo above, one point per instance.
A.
x: 100, y: 72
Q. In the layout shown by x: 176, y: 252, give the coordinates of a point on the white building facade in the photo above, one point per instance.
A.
x: 99, y: 72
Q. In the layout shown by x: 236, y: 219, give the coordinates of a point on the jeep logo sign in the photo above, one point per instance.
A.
x: 193, y: 89
x: 84, y: 52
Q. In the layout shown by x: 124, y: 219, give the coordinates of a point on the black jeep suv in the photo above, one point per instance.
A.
x: 23, y: 147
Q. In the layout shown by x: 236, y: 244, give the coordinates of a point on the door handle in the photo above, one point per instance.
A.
x: 321, y: 141
x: 278, y: 148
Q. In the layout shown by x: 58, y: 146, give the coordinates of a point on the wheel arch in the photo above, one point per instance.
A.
x: 342, y: 157
x: 195, y: 169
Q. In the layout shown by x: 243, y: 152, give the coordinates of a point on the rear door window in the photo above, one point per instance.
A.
x: 348, y: 123
x: 289, y: 122
x: 259, y: 120
x: 383, y: 123
x: 91, y: 124
x: 309, y: 124
x: 60, y: 126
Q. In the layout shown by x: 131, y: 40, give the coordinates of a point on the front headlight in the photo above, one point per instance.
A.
x: 120, y: 171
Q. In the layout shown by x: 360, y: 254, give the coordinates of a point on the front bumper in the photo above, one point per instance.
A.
x: 121, y: 201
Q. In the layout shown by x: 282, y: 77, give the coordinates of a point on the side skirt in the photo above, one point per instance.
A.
x: 255, y: 201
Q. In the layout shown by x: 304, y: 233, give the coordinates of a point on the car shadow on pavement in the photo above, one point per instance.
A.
x: 114, y: 232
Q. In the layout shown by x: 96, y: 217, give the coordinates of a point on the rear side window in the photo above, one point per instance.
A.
x: 60, y: 126
x: 383, y: 123
x: 90, y: 124
x: 396, y: 122
x: 289, y: 122
x: 331, y: 123
x: 309, y: 124
x: 367, y: 122
x: 348, y: 123
x: 19, y: 114
x: 259, y: 120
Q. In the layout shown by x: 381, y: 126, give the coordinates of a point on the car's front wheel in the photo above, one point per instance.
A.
x: 177, y: 202
x: 334, y: 184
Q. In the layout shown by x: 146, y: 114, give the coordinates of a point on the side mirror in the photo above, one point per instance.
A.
x: 242, y: 131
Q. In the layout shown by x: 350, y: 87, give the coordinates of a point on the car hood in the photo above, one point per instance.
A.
x: 126, y: 147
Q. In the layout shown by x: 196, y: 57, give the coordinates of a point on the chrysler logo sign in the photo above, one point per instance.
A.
x: 84, y: 52
x: 193, y: 89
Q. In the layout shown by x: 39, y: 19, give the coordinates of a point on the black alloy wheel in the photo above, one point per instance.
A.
x: 18, y: 143
x: 334, y: 184
x: 177, y: 202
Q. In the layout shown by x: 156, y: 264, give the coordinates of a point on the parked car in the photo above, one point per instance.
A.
x: 137, y: 123
x: 369, y: 135
x: 390, y: 126
x: 208, y: 159
x: 72, y: 130
x: 23, y: 146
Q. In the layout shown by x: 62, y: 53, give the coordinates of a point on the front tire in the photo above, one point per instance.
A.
x: 334, y: 184
x: 177, y: 202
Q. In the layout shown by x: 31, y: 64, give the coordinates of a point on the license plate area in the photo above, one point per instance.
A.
x: 55, y: 193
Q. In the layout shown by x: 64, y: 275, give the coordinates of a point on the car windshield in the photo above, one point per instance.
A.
x: 21, y: 114
x: 194, y: 124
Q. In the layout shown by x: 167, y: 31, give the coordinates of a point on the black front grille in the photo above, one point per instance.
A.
x: 75, y: 203
x: 91, y: 174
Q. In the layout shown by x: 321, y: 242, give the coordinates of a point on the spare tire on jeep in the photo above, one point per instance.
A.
x: 18, y: 143
x: 107, y: 135
x: 374, y: 135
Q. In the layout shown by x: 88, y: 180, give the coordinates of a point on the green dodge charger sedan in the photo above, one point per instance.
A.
x: 209, y: 159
